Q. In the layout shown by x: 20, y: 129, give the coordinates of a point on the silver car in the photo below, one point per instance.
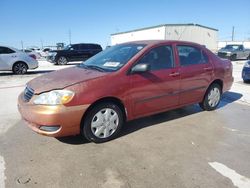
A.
x: 19, y: 62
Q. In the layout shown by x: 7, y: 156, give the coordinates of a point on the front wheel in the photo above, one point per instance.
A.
x: 212, y: 98
x: 233, y: 57
x: 103, y: 122
x: 62, y: 61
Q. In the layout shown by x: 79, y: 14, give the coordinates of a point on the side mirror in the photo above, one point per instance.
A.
x: 140, y: 68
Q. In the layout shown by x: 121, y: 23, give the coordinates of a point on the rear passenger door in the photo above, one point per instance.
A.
x: 196, y: 73
x: 84, y: 52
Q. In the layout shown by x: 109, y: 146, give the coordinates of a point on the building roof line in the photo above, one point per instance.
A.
x: 162, y: 25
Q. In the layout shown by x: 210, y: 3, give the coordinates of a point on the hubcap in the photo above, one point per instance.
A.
x: 214, y: 97
x: 20, y: 68
x: 104, y: 123
x: 62, y: 60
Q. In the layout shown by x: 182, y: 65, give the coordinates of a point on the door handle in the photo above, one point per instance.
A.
x: 174, y: 74
x: 208, y: 68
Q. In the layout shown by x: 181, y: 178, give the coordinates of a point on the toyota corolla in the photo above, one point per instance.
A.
x: 122, y: 83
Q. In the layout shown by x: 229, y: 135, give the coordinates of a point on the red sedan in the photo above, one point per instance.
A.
x: 122, y: 83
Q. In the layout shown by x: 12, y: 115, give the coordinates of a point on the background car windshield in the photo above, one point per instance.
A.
x: 232, y: 47
x: 67, y: 47
x: 114, y: 57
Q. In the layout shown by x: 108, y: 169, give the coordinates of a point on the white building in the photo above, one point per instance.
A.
x: 187, y: 32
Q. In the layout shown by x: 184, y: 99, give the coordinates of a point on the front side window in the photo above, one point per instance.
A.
x: 113, y: 58
x: 189, y: 55
x: 159, y: 58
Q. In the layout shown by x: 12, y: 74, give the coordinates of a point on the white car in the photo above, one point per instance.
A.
x: 19, y: 62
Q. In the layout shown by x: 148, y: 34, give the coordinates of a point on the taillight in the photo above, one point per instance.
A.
x: 33, y: 56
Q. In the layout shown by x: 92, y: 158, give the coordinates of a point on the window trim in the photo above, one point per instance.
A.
x: 195, y: 47
x: 154, y: 47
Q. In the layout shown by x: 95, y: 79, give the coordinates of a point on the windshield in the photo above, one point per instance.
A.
x: 113, y: 58
x: 67, y: 47
x: 232, y: 47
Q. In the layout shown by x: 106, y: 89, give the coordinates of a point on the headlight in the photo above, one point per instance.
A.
x: 54, y: 97
x: 52, y: 53
x: 247, y: 64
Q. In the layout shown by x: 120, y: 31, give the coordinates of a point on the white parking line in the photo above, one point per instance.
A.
x: 2, y: 176
x: 237, y: 179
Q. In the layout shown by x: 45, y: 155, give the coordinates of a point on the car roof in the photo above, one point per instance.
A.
x: 85, y: 43
x: 12, y: 48
x: 155, y: 42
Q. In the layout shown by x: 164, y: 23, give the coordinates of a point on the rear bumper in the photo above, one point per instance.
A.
x: 228, y: 84
x: 66, y: 119
x: 33, y: 64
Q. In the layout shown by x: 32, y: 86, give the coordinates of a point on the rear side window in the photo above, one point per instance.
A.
x: 189, y: 55
x: 5, y: 50
x: 96, y: 47
x: 159, y: 58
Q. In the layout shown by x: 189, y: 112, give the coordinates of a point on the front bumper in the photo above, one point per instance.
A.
x: 66, y: 119
x: 224, y: 55
x: 51, y: 59
x: 246, y: 73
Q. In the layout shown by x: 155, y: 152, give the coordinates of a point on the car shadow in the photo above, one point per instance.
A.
x: 28, y: 73
x: 73, y: 140
x: 141, y: 123
x: 136, y: 125
x: 229, y: 97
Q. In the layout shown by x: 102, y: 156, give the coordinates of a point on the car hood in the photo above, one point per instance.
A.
x: 55, y: 50
x: 226, y: 50
x: 63, y: 78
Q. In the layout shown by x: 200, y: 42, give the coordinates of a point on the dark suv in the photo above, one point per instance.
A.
x: 74, y: 52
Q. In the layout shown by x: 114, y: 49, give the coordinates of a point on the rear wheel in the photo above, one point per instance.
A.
x: 103, y: 122
x: 62, y: 60
x: 20, y: 68
x: 212, y: 98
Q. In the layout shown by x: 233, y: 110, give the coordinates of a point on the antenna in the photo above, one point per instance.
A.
x: 22, y: 44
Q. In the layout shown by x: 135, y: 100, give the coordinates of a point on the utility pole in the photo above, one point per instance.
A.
x: 41, y: 43
x: 22, y: 44
x: 69, y: 36
x: 233, y: 34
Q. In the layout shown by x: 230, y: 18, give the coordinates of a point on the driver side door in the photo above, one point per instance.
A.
x: 157, y: 89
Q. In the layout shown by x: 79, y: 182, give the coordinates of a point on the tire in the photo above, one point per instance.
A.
x: 62, y: 60
x: 20, y: 68
x: 103, y: 122
x: 233, y: 57
x: 212, y: 98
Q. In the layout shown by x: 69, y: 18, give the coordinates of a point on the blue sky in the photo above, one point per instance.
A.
x: 49, y: 21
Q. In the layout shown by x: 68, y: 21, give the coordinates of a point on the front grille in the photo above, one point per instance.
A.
x: 28, y: 93
x: 222, y: 54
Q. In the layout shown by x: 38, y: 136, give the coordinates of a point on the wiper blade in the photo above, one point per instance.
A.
x: 96, y: 68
